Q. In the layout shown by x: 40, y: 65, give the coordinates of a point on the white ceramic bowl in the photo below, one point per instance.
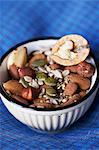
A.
x: 51, y: 120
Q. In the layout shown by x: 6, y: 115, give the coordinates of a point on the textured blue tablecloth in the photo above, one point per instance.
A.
x: 23, y: 20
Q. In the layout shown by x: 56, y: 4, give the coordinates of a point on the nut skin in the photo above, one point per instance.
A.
x: 55, y: 66
x: 84, y: 83
x: 26, y: 71
x: 13, y: 71
x: 70, y: 89
x: 85, y: 69
x: 14, y: 87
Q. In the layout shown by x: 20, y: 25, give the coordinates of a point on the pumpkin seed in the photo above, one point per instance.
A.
x: 51, y: 92
x: 40, y: 62
x: 50, y: 81
x: 41, y: 76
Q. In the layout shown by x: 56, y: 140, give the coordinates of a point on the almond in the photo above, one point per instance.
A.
x: 13, y: 86
x: 84, y: 83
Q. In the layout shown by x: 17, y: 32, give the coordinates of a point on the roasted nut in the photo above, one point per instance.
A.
x: 20, y: 99
x: 71, y: 100
x: 17, y: 57
x: 70, y: 50
x: 82, y: 93
x: 70, y: 89
x: 85, y: 69
x: 13, y: 70
x: 27, y: 93
x: 30, y: 93
x: 35, y: 93
x: 42, y: 103
x: 36, y: 57
x: 26, y: 71
x: 40, y: 100
x: 71, y: 69
x: 55, y: 66
x: 75, y: 98
x: 84, y: 83
x: 13, y: 86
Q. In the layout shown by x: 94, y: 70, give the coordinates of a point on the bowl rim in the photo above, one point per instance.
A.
x: 10, y: 99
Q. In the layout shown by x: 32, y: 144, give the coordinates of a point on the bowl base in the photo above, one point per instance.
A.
x: 49, y: 132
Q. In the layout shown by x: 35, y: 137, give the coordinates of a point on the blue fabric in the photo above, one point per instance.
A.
x: 23, y: 20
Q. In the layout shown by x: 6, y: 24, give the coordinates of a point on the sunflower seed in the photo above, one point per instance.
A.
x: 65, y: 73
x: 42, y: 69
x: 27, y: 79
x: 64, y: 100
x: 34, y: 84
x: 57, y: 73
x: 40, y: 82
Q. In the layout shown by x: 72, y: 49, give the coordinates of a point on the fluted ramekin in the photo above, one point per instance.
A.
x: 40, y: 119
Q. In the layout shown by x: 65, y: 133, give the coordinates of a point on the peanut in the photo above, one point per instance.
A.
x: 13, y: 86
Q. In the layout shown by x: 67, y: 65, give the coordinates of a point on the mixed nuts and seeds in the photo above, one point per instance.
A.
x: 39, y: 80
